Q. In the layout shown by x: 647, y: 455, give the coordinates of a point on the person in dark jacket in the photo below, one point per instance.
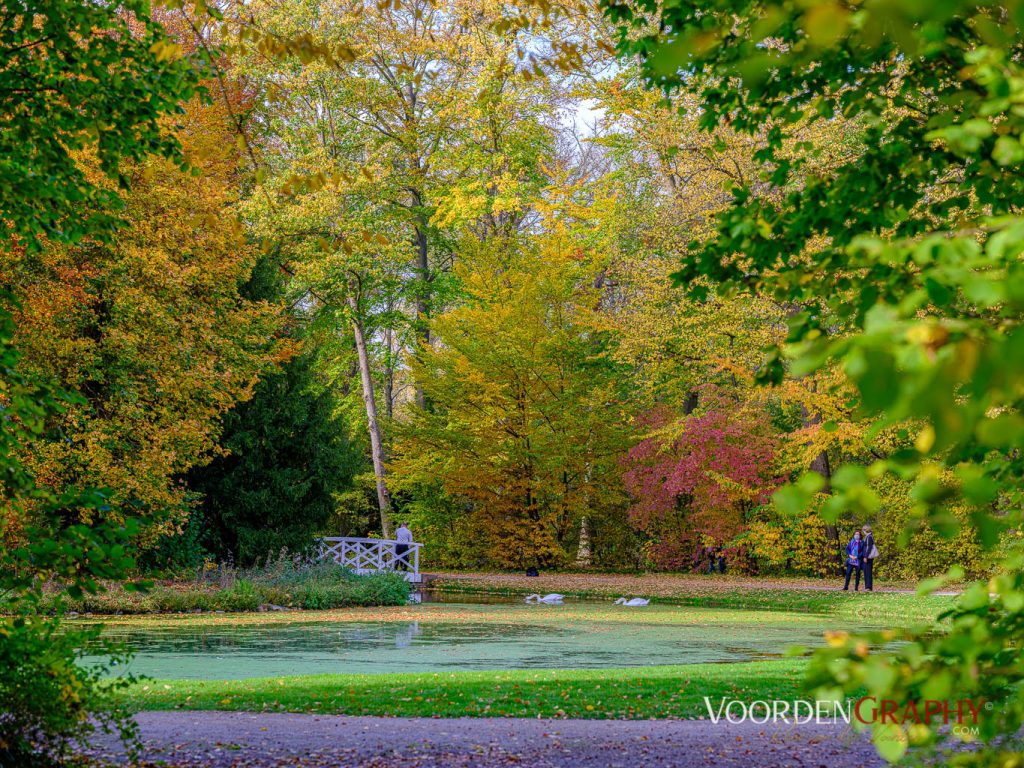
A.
x: 710, y: 552
x: 854, y: 555
x: 867, y: 562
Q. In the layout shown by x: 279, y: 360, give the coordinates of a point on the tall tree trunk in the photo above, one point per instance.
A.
x: 376, y: 446
x: 583, y: 550
x: 422, y: 267
x: 389, y: 377
x: 691, y: 402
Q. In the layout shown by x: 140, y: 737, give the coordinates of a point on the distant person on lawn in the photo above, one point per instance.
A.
x: 854, y: 556
x: 868, y: 561
x: 404, y: 538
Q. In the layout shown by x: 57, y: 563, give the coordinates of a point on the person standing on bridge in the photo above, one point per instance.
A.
x: 404, y: 538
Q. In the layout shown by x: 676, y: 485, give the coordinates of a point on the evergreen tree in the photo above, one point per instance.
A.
x: 289, y: 453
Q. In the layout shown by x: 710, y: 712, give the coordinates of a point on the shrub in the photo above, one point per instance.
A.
x: 288, y: 581
x: 814, y: 553
x: 47, y: 698
x: 777, y: 543
x: 243, y: 595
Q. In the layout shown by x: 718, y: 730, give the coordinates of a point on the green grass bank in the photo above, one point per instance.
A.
x: 798, y: 596
x: 636, y: 693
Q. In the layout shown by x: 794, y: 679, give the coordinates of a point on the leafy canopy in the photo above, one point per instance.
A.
x: 80, y: 77
x: 81, y: 83
x: 902, y: 265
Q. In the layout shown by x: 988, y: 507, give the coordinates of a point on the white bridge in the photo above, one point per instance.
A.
x: 372, y: 555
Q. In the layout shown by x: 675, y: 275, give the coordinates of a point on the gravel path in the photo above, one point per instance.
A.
x: 245, y: 740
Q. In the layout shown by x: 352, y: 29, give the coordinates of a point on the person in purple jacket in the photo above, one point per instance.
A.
x: 854, y: 555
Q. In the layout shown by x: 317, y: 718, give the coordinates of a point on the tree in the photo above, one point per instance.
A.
x: 426, y: 131
x: 695, y: 477
x: 905, y: 265
x: 286, y: 454
x: 148, y: 326
x: 79, y: 81
x: 665, y: 183
x: 527, y: 409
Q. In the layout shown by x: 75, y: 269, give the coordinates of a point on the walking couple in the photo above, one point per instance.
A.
x: 860, y: 556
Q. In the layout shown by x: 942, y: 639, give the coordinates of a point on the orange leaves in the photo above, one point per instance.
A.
x: 150, y: 329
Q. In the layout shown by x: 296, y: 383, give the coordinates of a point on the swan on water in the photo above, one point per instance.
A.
x: 635, y: 602
x: 552, y: 599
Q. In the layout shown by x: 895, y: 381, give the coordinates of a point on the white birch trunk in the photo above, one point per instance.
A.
x: 376, y: 447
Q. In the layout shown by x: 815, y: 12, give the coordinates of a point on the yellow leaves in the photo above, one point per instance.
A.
x: 372, y: 238
x: 303, y: 46
x: 497, y: 194
x: 155, y: 322
x: 165, y: 50
x: 71, y: 690
x: 930, y: 335
x: 768, y: 542
x: 836, y: 639
x: 925, y: 439
x: 826, y: 23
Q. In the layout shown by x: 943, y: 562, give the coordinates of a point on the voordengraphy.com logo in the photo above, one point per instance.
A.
x: 867, y: 710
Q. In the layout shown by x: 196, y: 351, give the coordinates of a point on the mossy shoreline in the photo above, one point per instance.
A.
x: 876, y: 606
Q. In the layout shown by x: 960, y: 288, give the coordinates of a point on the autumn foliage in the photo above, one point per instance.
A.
x: 694, y: 477
x: 148, y: 328
x: 525, y: 416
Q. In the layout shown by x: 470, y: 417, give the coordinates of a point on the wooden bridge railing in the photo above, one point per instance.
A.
x: 372, y: 555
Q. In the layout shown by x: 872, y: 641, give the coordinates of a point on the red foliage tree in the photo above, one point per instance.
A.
x: 694, y: 477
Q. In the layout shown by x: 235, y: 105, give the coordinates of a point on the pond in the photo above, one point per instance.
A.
x: 485, y: 636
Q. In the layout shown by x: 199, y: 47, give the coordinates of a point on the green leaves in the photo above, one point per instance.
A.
x: 963, y: 139
x: 891, y: 741
x: 907, y: 254
x: 81, y: 79
x: 1008, y: 151
x: 794, y: 498
x: 927, y: 586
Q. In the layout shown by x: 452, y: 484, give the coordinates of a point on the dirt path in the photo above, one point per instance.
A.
x: 649, y: 584
x: 244, y: 740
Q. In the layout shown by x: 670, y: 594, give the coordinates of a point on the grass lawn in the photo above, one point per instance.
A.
x: 647, y: 692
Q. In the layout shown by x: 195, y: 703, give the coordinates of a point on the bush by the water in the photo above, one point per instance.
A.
x: 288, y: 582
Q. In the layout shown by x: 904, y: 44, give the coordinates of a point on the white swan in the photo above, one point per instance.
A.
x: 552, y: 599
x: 636, y: 602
